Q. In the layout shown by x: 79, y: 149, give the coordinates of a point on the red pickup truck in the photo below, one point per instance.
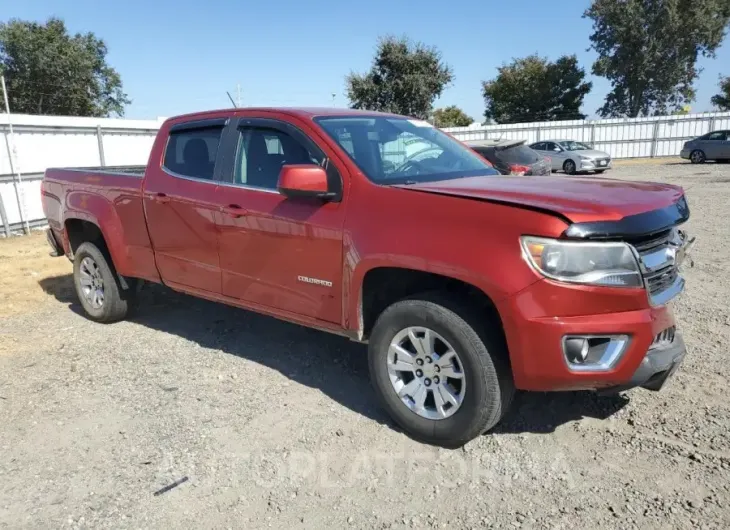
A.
x: 466, y: 284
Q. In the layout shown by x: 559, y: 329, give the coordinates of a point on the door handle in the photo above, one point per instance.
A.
x: 161, y: 198
x: 233, y: 210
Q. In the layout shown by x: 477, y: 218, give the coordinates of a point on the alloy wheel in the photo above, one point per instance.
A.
x: 92, y: 283
x: 426, y: 373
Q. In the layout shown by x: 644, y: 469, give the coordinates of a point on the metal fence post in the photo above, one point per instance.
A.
x: 4, y: 217
x: 100, y: 141
x: 654, y: 137
x: 14, y: 169
x: 593, y: 134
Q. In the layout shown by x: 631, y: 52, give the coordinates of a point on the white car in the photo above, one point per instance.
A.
x: 573, y: 157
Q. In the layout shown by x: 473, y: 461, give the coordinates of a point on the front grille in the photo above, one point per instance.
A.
x: 661, y: 280
x: 602, y: 161
x: 648, y: 245
x: 659, y: 269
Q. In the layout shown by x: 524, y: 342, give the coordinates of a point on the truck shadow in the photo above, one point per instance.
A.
x: 332, y: 364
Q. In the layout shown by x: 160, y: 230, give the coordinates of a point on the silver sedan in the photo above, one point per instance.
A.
x: 573, y: 157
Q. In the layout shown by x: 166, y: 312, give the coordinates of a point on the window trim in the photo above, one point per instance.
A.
x: 232, y: 145
x: 213, y: 123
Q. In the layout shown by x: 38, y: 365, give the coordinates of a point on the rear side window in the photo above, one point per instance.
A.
x: 718, y: 135
x: 520, y: 154
x: 192, y: 152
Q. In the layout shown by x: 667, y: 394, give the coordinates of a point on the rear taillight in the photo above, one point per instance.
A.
x: 518, y: 170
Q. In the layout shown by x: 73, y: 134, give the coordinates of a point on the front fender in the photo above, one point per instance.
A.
x: 355, y: 277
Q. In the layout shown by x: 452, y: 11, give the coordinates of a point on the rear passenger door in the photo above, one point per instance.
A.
x: 180, y: 206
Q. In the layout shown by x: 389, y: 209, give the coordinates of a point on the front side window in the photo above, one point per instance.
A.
x: 574, y: 146
x: 393, y: 150
x: 263, y: 151
x: 192, y: 152
x: 719, y: 135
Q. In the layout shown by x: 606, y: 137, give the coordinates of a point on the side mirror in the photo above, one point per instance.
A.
x: 557, y: 149
x: 303, y: 180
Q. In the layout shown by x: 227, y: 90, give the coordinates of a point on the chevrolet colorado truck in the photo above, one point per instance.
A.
x: 466, y: 284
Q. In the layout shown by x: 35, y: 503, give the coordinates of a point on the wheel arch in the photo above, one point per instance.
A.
x: 381, y: 286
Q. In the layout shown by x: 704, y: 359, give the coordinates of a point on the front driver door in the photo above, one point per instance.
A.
x: 278, y: 252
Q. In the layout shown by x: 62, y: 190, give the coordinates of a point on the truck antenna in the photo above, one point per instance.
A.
x: 232, y: 102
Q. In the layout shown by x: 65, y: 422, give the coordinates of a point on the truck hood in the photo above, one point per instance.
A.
x: 580, y: 200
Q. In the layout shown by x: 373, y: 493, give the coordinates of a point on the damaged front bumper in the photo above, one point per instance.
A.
x: 656, y: 368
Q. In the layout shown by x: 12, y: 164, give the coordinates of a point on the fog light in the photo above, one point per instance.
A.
x: 593, y: 353
x: 576, y: 350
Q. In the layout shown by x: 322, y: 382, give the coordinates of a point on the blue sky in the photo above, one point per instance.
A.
x: 179, y: 56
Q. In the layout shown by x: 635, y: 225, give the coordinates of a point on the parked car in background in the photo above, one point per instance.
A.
x: 711, y: 146
x: 512, y: 157
x: 573, y: 157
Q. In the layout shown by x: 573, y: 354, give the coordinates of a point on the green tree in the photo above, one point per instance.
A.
x: 648, y: 50
x: 48, y: 71
x: 535, y: 89
x: 451, y: 116
x: 405, y: 78
x: 722, y: 100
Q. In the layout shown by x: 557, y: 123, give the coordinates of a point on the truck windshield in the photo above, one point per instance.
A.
x: 391, y: 150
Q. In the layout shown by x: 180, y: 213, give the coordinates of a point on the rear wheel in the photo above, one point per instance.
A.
x: 697, y: 156
x: 97, y: 285
x: 569, y: 167
x: 438, y: 378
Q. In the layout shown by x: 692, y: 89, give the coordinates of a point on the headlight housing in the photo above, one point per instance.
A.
x: 611, y: 264
x: 585, y: 157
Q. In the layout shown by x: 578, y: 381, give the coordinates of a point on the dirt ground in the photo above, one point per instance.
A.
x: 274, y: 425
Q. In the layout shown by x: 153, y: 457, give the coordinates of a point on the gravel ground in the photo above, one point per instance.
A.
x: 274, y: 425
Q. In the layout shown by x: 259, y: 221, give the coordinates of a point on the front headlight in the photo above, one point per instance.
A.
x: 594, y: 263
x: 585, y: 157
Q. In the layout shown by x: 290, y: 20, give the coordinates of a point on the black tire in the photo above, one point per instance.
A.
x: 697, y: 156
x: 489, y: 384
x: 569, y: 167
x: 116, y: 302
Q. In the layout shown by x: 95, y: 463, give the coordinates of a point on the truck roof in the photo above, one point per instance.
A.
x: 301, y: 112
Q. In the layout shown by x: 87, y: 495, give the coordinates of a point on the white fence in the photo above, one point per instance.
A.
x: 40, y: 142
x: 621, y: 138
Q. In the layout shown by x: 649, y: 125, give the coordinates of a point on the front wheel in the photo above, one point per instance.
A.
x: 697, y: 156
x: 569, y: 167
x: 97, y: 286
x: 441, y: 381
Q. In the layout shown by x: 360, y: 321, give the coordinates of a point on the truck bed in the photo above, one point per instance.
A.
x: 108, y: 197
